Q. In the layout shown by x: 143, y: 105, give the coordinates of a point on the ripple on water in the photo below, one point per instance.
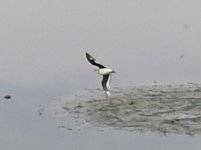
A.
x: 165, y: 109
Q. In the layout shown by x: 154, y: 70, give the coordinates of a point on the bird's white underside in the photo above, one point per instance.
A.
x: 105, y: 71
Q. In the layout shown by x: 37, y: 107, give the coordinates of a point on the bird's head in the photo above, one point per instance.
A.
x: 113, y: 71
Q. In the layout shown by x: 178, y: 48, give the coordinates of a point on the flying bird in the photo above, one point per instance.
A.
x: 104, y: 71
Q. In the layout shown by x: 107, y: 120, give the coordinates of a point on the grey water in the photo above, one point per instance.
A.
x: 42, y: 63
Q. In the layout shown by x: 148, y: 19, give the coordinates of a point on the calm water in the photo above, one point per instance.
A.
x: 43, y: 67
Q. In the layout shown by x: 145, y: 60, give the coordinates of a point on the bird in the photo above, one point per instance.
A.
x: 104, y: 71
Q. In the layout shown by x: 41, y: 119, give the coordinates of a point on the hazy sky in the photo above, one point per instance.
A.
x: 44, y: 41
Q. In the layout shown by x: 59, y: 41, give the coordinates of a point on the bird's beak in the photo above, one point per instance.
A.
x: 114, y: 71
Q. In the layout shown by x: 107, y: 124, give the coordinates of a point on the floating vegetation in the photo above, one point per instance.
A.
x: 164, y: 109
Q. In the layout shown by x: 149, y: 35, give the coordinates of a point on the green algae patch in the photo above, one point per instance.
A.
x: 163, y: 109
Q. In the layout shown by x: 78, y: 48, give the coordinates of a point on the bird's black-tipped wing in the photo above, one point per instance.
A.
x: 93, y: 61
x: 106, y: 82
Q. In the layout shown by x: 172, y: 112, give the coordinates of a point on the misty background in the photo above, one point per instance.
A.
x: 43, y: 42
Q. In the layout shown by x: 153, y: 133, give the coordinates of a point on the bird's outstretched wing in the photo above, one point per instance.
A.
x: 93, y: 61
x: 106, y: 82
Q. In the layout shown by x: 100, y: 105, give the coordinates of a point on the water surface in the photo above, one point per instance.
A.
x: 44, y: 69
